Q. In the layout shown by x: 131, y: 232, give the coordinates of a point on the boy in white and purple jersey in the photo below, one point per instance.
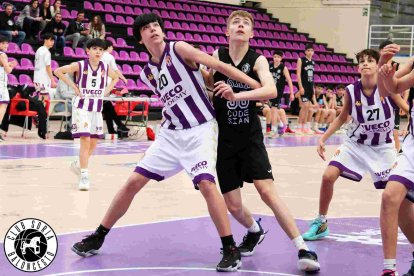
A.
x: 91, y: 86
x: 397, y: 207
x: 42, y: 76
x: 5, y: 68
x: 188, y: 136
x: 368, y: 139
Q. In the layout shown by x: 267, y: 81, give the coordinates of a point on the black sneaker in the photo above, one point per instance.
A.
x: 231, y: 259
x: 308, y: 261
x: 411, y: 271
x: 251, y: 240
x: 89, y: 245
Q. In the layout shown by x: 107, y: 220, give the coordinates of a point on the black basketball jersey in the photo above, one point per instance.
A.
x: 307, y: 71
x: 239, y: 115
x: 278, y: 77
x: 339, y: 101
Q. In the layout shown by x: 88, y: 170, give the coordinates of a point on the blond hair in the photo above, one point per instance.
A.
x: 240, y: 13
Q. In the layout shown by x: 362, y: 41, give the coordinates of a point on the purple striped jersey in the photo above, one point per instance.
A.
x: 181, y: 89
x: 372, y: 117
x: 92, y: 85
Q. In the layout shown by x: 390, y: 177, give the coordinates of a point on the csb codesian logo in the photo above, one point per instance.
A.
x: 30, y: 245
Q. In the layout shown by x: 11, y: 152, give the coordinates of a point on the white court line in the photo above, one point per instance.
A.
x: 168, y: 268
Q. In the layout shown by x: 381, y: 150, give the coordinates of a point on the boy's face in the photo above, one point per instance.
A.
x: 151, y: 34
x: 277, y: 59
x: 4, y: 45
x: 240, y: 28
x: 329, y: 93
x: 95, y: 53
x: 340, y: 91
x: 367, y: 66
x: 49, y: 43
x: 110, y: 49
x: 309, y: 52
x: 319, y: 89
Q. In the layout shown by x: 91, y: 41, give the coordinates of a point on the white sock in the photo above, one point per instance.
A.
x: 389, y: 264
x: 323, y: 218
x: 84, y: 173
x: 254, y: 228
x: 308, y: 125
x: 300, y: 243
x: 280, y: 124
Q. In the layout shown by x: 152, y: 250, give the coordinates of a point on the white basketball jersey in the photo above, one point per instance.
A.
x: 92, y: 85
x: 42, y: 59
x: 372, y: 117
x: 3, y: 76
x: 181, y: 89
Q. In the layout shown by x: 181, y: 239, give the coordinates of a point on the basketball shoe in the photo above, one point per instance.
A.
x: 251, y: 240
x: 317, y: 230
x: 389, y: 272
x: 308, y: 261
x: 89, y: 245
x: 231, y: 260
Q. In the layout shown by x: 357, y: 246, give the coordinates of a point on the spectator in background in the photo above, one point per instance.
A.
x: 77, y: 31
x: 55, y: 8
x: 45, y: 13
x: 340, y: 91
x: 57, y: 28
x: 29, y: 19
x: 64, y: 92
x: 43, y: 76
x: 97, y: 28
x: 7, y: 26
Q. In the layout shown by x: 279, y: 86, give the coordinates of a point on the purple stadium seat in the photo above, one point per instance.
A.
x: 259, y: 51
x: 129, y: 20
x: 120, y: 42
x: 134, y: 56
x: 283, y: 36
x: 296, y: 37
x: 221, y: 20
x: 253, y: 42
x: 189, y: 37
x: 197, y: 38
x: 79, y: 52
x: 68, y: 52
x: 111, y: 39
x: 295, y: 46
x: 349, y: 69
x: 267, y: 53
x: 109, y: 18
x: 331, y: 78
x: 170, y: 6
x: 185, y: 26
x: 130, y: 32
x: 343, y: 68
x: 342, y: 59
x: 190, y: 17
x: 141, y: 86
x: 287, y: 55
x: 168, y: 24
x: 144, y: 3
x: 303, y: 38
x: 322, y: 57
x: 173, y: 15
x: 88, y: 5
x: 275, y: 44
x: 144, y: 56
x: 137, y: 69
x: 301, y: 54
x: 201, y: 9
x: 222, y: 39
x: 290, y: 37
x: 180, y: 36
x: 138, y: 11
x: 329, y: 58
x: 329, y: 68
x: 131, y: 85
x: 294, y: 64
x: 165, y: 14
x: 161, y: 5
x: 115, y: 54
x: 209, y: 29
x: 315, y: 57
x: 294, y: 77
x: 129, y: 10
x: 323, y: 78
x: 25, y: 79
x: 12, y: 79
x: 54, y: 65
x: 110, y: 9
x: 120, y: 19
x: 285, y: 28
x: 209, y: 10
x: 317, y: 67
x: 170, y: 35
x: 187, y: 7
x: 344, y: 79
x: 209, y: 49
x: 323, y: 67
x: 66, y: 14
x: 13, y: 48
x: 335, y: 58
x: 289, y: 45
x: 123, y: 55
x: 316, y: 78
x: 337, y: 79
x: 153, y: 3
x: 336, y: 68
x: 200, y: 27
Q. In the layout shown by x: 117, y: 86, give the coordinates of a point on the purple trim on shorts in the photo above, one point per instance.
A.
x: 406, y: 182
x: 81, y: 134
x: 80, y: 103
x: 380, y: 184
x: 203, y: 176
x: 97, y: 136
x: 362, y: 138
x: 388, y: 138
x: 148, y: 174
x: 375, y: 139
x: 4, y: 102
x: 345, y: 169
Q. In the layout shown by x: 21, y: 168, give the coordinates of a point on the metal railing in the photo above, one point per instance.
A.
x: 403, y: 35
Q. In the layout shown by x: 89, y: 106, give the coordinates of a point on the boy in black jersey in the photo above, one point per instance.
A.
x: 241, y: 154
x: 280, y: 75
x: 304, y: 71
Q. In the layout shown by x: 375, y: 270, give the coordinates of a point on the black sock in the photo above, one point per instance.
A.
x: 102, y: 231
x: 227, y: 240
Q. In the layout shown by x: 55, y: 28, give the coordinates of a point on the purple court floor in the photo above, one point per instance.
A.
x: 17, y: 151
x: 191, y: 247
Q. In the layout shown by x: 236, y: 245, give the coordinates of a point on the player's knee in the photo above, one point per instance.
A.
x: 389, y: 200
x: 267, y: 195
x: 207, y: 187
x: 234, y: 207
x: 328, y: 178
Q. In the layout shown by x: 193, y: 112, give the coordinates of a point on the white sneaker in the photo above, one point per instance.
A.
x: 84, y: 184
x: 75, y: 167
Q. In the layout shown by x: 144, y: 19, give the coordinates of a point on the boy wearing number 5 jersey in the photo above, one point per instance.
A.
x: 368, y: 146
x: 91, y: 86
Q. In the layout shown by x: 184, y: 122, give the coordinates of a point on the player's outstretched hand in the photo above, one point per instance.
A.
x: 321, y: 150
x: 224, y: 90
x: 389, y: 52
x: 387, y: 70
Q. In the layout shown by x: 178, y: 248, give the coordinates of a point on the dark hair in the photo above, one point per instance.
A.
x: 144, y: 19
x: 197, y: 46
x: 368, y: 52
x: 384, y: 43
x: 48, y: 36
x: 98, y: 25
x: 80, y: 11
x: 308, y: 46
x: 32, y: 1
x: 108, y: 44
x: 277, y: 52
x: 319, y: 85
x: 329, y: 87
x: 4, y: 38
x: 340, y: 86
x: 96, y: 42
